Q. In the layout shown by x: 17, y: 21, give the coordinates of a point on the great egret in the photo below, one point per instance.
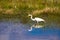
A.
x: 37, y: 20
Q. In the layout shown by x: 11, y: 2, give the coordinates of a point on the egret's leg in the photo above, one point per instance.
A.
x: 30, y: 29
x: 37, y: 23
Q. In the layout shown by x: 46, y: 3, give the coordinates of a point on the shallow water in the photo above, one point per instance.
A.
x: 17, y: 29
x: 14, y: 30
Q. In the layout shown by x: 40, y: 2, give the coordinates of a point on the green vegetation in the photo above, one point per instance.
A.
x: 21, y: 8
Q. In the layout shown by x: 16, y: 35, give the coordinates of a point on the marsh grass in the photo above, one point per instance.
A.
x: 12, y: 9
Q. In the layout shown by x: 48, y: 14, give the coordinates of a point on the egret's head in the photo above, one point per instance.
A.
x: 29, y: 15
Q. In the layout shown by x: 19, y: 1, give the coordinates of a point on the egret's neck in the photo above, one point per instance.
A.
x: 31, y: 17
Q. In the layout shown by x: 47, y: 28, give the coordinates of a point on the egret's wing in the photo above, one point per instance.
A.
x: 39, y: 19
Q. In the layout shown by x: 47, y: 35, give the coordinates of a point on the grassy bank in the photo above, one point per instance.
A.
x: 12, y: 9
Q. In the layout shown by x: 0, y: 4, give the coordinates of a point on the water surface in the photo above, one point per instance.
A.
x: 14, y: 29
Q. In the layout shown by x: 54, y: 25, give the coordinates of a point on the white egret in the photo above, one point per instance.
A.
x: 37, y: 20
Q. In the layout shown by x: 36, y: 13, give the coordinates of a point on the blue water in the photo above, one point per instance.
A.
x: 17, y: 31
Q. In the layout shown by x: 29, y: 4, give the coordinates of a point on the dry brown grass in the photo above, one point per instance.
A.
x: 46, y: 9
x: 9, y: 11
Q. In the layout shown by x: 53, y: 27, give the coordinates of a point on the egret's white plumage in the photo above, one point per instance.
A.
x: 37, y: 20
